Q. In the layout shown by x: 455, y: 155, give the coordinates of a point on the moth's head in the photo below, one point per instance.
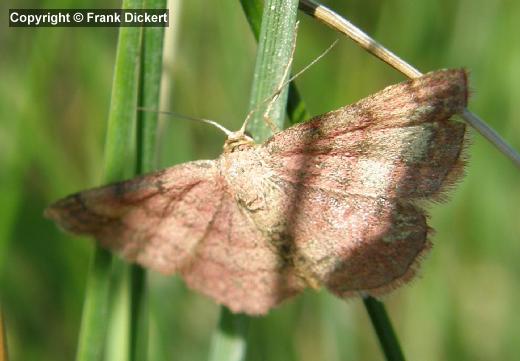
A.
x: 237, y: 141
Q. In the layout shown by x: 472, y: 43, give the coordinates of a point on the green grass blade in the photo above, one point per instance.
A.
x: 384, y: 330
x: 138, y: 314
x: 276, y: 42
x: 150, y: 86
x: 93, y: 318
x: 123, y: 101
x: 151, y: 72
x: 117, y: 157
x: 296, y: 110
x: 229, y: 342
x: 253, y: 11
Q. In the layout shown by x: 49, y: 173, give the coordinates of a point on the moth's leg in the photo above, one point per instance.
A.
x: 272, y: 98
x: 280, y: 86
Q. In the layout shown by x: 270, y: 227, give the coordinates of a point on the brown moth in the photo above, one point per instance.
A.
x: 332, y: 202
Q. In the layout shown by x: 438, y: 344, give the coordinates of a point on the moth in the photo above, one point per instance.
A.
x: 334, y: 202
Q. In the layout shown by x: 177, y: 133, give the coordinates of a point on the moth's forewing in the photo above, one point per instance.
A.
x: 156, y: 219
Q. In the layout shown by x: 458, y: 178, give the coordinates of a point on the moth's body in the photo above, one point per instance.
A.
x: 330, y: 202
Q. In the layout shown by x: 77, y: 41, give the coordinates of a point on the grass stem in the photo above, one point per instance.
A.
x: 149, y: 97
x: 384, y: 330
x: 117, y: 157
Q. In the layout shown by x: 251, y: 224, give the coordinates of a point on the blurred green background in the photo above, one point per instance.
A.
x: 54, y: 99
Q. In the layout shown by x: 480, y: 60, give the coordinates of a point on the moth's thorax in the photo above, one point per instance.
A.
x: 238, y: 141
x: 243, y: 169
x: 249, y: 174
x: 243, y: 166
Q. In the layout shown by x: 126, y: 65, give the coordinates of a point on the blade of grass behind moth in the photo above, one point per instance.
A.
x: 384, y: 330
x: 117, y: 156
x: 275, y: 48
x: 149, y: 97
x: 276, y: 42
x: 296, y: 111
x: 342, y: 25
x: 229, y: 339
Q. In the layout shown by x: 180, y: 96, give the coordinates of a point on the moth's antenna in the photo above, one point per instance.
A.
x: 280, y: 88
x: 182, y: 116
x: 252, y: 111
x: 305, y: 68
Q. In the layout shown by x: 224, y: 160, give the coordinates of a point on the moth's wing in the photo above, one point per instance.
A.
x: 398, y: 142
x: 354, y: 244
x: 356, y: 175
x: 156, y: 219
x: 184, y: 220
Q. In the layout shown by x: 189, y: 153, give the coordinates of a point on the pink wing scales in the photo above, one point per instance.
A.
x: 355, y: 226
x: 155, y: 220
